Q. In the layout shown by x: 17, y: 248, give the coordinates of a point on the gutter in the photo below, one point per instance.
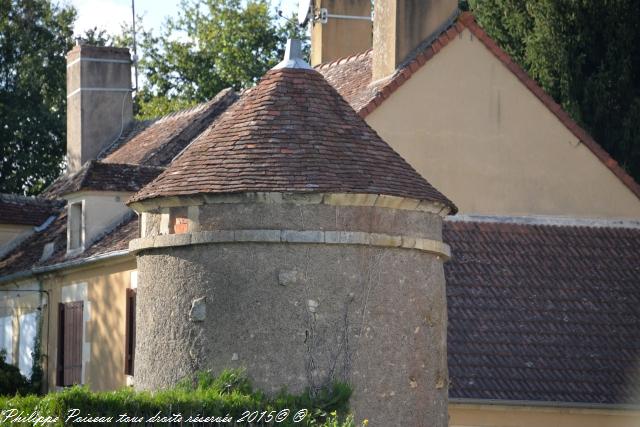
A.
x: 72, y: 263
x: 544, y: 404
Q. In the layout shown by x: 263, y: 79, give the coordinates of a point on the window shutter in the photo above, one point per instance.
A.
x: 130, y: 332
x: 60, y: 358
x: 70, y: 344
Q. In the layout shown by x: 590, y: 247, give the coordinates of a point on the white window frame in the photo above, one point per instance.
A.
x: 72, y: 224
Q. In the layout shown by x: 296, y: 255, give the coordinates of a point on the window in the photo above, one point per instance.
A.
x: 130, y: 332
x: 74, y: 226
x: 6, y: 337
x: 27, y: 340
x: 69, y: 368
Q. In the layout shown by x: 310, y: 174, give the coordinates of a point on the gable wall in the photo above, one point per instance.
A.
x: 467, y: 124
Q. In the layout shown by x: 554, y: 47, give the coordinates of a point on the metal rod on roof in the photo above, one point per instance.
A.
x: 135, y: 47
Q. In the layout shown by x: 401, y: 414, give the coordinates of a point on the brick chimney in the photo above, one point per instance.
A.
x: 401, y: 25
x: 99, y: 101
x: 341, y: 37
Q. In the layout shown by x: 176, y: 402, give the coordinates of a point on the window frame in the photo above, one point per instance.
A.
x: 75, y: 226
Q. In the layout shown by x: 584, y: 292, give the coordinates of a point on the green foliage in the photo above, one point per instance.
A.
x: 97, y: 37
x: 11, y: 380
x: 584, y: 53
x: 230, y: 393
x: 209, y: 46
x: 34, y: 38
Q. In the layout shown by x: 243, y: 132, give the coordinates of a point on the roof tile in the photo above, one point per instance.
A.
x: 543, y: 313
x: 291, y: 133
x: 22, y: 210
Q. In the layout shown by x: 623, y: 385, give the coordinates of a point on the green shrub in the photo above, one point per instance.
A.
x: 230, y: 394
x: 11, y: 380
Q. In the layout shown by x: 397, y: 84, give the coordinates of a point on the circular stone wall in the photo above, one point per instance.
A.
x: 301, y: 296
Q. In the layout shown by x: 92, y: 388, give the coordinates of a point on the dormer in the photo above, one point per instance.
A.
x: 95, y: 198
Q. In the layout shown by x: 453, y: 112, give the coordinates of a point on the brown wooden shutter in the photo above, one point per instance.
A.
x: 60, y: 358
x: 70, y: 343
x: 130, y: 332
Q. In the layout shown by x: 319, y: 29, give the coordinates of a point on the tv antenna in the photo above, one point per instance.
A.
x: 307, y: 12
x: 135, y: 47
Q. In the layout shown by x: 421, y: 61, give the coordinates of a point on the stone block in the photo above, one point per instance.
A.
x: 257, y: 235
x: 212, y: 237
x: 287, y: 277
x: 295, y: 236
x: 198, y: 312
x: 385, y: 240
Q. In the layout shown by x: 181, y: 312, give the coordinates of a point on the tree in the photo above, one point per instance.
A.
x: 210, y: 45
x: 584, y: 53
x: 35, y: 35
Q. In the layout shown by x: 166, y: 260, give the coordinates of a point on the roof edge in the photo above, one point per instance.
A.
x: 547, y: 220
x: 544, y: 404
x: 308, y: 198
x: 62, y: 265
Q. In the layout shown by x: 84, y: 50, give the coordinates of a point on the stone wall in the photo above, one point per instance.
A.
x: 300, y: 313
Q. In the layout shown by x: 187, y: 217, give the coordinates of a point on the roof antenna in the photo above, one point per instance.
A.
x: 135, y: 47
x: 307, y: 12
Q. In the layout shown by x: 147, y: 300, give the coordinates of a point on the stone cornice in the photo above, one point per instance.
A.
x: 333, y: 199
x: 292, y: 236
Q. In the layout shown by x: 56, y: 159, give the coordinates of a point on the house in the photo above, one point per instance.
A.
x: 542, y: 286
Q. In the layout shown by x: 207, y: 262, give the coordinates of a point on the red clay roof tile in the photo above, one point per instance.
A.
x: 306, y: 138
x: 156, y: 143
x: 543, y: 312
x: 21, y: 210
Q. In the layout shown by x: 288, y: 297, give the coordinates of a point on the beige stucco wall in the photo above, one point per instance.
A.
x: 103, y: 289
x: 464, y: 415
x: 340, y: 37
x: 467, y: 124
x: 8, y: 232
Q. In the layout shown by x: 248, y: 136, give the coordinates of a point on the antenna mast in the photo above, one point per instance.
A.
x: 135, y: 47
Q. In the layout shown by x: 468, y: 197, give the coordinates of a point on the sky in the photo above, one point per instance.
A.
x: 109, y: 14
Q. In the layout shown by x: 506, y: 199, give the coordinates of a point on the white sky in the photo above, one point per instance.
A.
x: 109, y: 14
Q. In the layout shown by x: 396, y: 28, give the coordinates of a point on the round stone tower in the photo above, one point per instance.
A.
x: 290, y: 240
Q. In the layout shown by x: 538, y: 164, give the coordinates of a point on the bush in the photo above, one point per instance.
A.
x: 228, y: 395
x: 11, y: 380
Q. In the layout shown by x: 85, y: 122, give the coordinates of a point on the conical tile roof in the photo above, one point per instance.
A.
x: 291, y: 133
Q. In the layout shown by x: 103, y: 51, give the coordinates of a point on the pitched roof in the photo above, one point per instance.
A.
x: 100, y: 176
x: 352, y: 78
x: 157, y: 142
x: 291, y: 133
x: 27, y: 256
x: 22, y: 210
x: 543, y: 313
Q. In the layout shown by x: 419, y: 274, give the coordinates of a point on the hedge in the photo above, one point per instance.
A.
x: 190, y: 403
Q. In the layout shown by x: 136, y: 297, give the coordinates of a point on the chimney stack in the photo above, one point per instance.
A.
x: 341, y: 37
x: 99, y: 101
x: 401, y: 25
